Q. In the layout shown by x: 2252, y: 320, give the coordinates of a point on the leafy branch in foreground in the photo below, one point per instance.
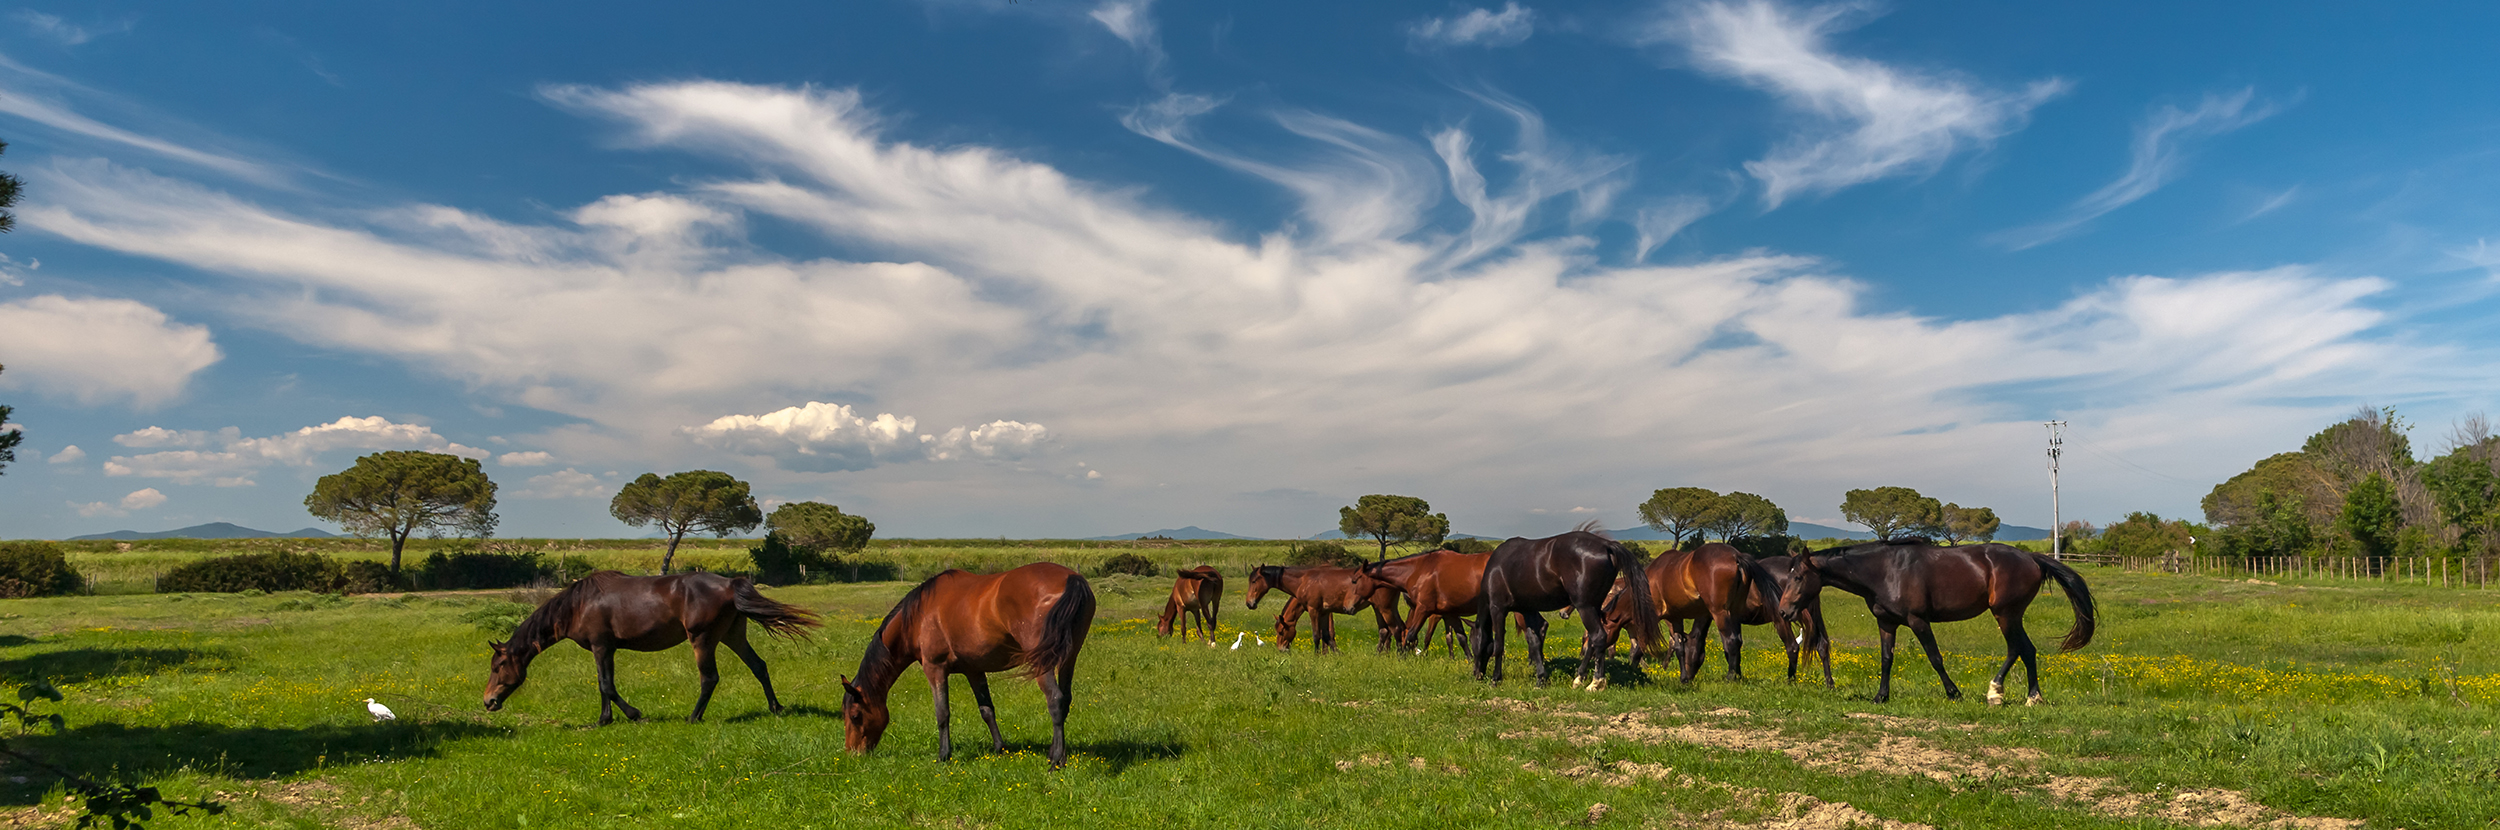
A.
x: 122, y: 804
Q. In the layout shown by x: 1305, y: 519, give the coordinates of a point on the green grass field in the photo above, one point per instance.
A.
x: 2204, y: 702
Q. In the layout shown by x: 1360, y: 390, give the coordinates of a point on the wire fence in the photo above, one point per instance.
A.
x: 2436, y: 571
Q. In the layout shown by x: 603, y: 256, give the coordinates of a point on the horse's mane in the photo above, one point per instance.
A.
x: 540, y: 626
x: 877, y: 654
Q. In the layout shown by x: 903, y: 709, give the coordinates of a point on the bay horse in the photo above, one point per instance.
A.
x: 1443, y: 587
x: 959, y: 622
x: 606, y: 611
x: 1195, y: 595
x: 1916, y: 583
x: 1713, y: 583
x: 1573, y: 570
x: 1325, y: 592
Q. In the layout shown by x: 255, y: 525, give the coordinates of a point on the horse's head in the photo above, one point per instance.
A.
x: 863, y: 719
x: 1804, y: 583
x: 505, y: 671
x: 1163, y: 624
x: 1258, y: 586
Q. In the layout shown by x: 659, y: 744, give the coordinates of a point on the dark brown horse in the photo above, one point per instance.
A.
x: 606, y: 611
x: 1325, y: 592
x: 972, y: 624
x: 1442, y: 587
x: 1714, y: 583
x: 1917, y: 584
x: 1810, y: 634
x: 1196, y: 593
x: 1573, y: 570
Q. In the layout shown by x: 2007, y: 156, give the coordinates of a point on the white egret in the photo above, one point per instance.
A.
x: 379, y: 711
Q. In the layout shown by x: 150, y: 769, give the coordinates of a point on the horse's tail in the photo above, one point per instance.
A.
x: 778, y: 619
x: 1636, y: 591
x: 1063, y: 630
x: 1765, y: 589
x: 2077, y: 595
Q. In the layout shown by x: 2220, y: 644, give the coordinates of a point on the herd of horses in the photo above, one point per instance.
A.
x: 1034, y: 619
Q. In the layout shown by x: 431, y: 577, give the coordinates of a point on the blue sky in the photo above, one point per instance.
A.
x: 1064, y: 269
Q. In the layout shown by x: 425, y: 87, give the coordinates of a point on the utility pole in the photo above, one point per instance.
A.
x: 2057, y: 522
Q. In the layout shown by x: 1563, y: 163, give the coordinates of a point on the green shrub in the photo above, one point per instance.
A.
x: 854, y: 569
x: 777, y: 562
x: 1470, y: 545
x: 1761, y: 547
x: 261, y: 572
x: 573, y: 567
x: 470, y: 570
x: 1127, y: 563
x: 1325, y: 554
x: 36, y: 569
x: 368, y: 577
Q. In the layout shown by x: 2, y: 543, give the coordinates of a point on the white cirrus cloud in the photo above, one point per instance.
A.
x: 100, y: 350
x: 825, y: 437
x: 567, y: 483
x: 1870, y: 120
x: 143, y: 499
x: 52, y: 26
x: 2155, y: 158
x: 532, y: 458
x: 236, y: 458
x: 1478, y: 27
x: 68, y: 455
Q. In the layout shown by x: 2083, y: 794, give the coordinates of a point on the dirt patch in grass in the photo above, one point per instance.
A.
x: 1892, y: 754
x: 326, y: 801
x: 37, y: 817
x: 1768, y: 811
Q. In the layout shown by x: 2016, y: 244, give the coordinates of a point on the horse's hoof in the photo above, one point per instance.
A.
x: 1597, y: 685
x: 1954, y: 694
x: 2033, y: 700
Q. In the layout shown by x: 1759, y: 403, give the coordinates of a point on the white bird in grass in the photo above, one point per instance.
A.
x: 379, y: 711
x: 1237, y: 638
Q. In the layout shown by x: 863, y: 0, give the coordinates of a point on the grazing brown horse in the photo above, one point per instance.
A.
x: 1917, y: 584
x: 1714, y: 583
x: 972, y: 624
x: 1325, y: 592
x: 606, y: 611
x: 1195, y: 595
x: 1573, y: 570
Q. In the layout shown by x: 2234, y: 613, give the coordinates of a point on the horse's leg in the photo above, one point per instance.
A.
x: 1883, y: 688
x: 605, y: 656
x: 1536, y: 648
x: 1056, y: 692
x: 2017, y: 645
x: 1594, y: 646
x: 1788, y: 640
x: 737, y: 643
x: 1487, y: 648
x: 1927, y: 640
x: 937, y: 695
x: 2011, y: 628
x: 708, y: 668
x: 1732, y: 641
x: 989, y: 715
x: 1822, y: 644
x: 1323, y: 630
x: 1691, y: 658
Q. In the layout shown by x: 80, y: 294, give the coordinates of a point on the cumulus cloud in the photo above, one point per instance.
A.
x: 98, y: 350
x: 143, y: 499
x: 1478, y: 27
x: 68, y: 455
x: 1871, y: 120
x: 531, y: 458
x: 237, y: 458
x: 823, y: 437
x: 1347, y: 355
x: 567, y: 483
x: 2155, y: 159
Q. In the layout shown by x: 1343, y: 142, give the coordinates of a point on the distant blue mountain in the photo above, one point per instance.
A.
x: 212, y: 530
x: 1190, y: 532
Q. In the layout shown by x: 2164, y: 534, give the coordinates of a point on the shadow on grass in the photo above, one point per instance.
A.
x: 1618, y: 672
x: 112, y: 751
x: 1119, y: 754
x: 7, y: 640
x: 79, y: 665
x: 787, y: 711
